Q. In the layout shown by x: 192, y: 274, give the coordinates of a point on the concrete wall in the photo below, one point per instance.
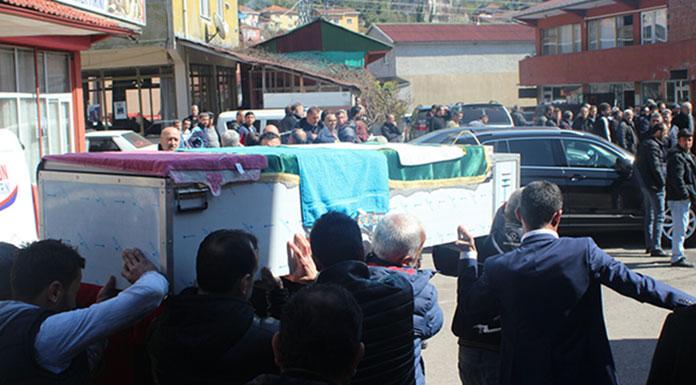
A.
x: 457, y: 72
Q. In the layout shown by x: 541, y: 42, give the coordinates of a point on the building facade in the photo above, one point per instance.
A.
x: 450, y: 63
x: 41, y: 45
x: 345, y: 17
x: 177, y: 61
x: 279, y: 19
x: 616, y: 51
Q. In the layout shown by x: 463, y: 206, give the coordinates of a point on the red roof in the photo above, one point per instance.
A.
x: 65, y: 12
x: 405, y: 33
x: 276, y: 9
x: 245, y: 9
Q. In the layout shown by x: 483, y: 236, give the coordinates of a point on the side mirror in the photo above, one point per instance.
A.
x: 624, y: 167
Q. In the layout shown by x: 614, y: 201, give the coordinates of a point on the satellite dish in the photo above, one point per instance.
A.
x: 222, y: 28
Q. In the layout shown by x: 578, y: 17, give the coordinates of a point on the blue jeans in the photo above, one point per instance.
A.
x: 478, y: 366
x: 680, y: 219
x: 654, y: 205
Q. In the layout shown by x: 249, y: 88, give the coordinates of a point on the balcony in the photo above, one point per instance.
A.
x: 628, y: 64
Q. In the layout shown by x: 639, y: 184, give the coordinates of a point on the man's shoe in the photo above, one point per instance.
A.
x: 658, y: 253
x: 682, y: 263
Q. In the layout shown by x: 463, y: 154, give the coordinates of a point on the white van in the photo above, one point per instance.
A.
x: 263, y: 118
x: 17, y: 219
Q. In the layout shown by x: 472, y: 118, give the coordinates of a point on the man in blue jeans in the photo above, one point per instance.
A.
x: 650, y: 164
x: 681, y: 169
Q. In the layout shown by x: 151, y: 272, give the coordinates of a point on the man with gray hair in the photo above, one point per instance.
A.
x: 230, y: 139
x: 685, y: 119
x: 397, y: 244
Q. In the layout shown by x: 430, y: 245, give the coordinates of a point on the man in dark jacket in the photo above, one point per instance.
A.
x: 675, y: 353
x: 685, y: 119
x: 209, y: 334
x: 547, y: 119
x: 566, y: 120
x: 582, y: 122
x: 319, y: 342
x: 437, y: 122
x: 345, y: 127
x: 386, y: 300
x: 479, y: 346
x: 626, y: 133
x: 548, y: 292
x: 681, y: 190
x: 602, y: 126
x: 391, y: 131
x: 397, y: 244
x: 518, y: 118
x: 650, y: 163
x: 312, y: 124
x: 292, y: 118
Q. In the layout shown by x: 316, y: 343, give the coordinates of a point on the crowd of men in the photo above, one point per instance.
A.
x: 661, y: 138
x: 299, y: 126
x: 529, y: 309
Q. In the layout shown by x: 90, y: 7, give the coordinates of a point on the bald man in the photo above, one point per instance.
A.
x: 271, y: 128
x: 169, y: 139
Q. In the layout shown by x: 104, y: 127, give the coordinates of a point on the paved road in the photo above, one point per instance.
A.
x: 633, y: 327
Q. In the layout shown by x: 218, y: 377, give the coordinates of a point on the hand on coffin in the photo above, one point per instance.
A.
x: 135, y: 264
x: 300, y: 253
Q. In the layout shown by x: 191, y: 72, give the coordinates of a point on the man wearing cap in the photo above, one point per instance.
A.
x: 681, y: 189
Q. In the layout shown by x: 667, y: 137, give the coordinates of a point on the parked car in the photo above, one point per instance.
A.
x: 600, y: 189
x: 418, y: 122
x: 263, y: 118
x: 498, y: 115
x: 117, y: 140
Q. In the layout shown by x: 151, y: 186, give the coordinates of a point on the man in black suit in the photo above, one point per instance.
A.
x: 548, y: 292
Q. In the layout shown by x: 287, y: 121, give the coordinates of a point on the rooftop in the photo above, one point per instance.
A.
x: 413, y: 33
x: 277, y: 9
x: 245, y: 9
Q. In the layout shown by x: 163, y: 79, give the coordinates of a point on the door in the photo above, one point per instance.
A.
x: 595, y: 190
x: 540, y: 158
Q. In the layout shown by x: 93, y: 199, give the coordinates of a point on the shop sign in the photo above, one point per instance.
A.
x: 131, y: 11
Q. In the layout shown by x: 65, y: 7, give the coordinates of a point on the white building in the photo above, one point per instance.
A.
x: 449, y: 63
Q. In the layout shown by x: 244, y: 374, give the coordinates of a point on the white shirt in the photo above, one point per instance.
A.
x: 63, y: 336
x: 538, y: 231
x: 213, y: 140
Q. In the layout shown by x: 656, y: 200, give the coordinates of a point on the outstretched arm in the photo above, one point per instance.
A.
x: 615, y: 275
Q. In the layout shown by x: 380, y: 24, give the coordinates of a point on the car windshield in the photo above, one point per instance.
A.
x: 496, y: 114
x: 136, y: 140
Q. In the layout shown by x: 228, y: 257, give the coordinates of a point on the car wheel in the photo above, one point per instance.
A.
x: 690, y: 238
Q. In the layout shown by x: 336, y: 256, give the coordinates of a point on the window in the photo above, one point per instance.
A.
x: 534, y: 152
x: 610, y: 32
x: 677, y: 91
x: 201, y: 77
x: 205, y: 8
x: 654, y: 26
x: 564, y: 39
x: 585, y: 154
x: 350, y: 20
x: 102, y: 144
x: 650, y: 90
x: 8, y: 81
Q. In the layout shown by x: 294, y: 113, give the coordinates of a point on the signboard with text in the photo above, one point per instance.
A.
x: 131, y: 11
